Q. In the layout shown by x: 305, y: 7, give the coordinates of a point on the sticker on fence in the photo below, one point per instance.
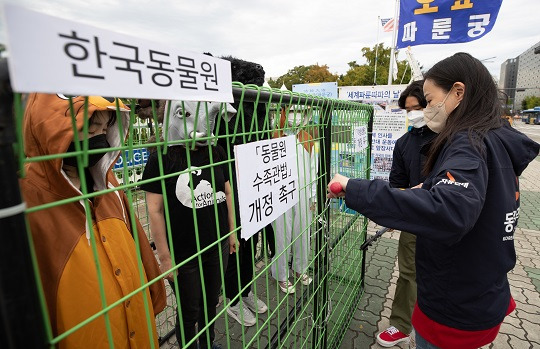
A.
x: 140, y: 157
x: 267, y: 181
x: 360, y: 139
x: 54, y: 55
x: 387, y: 128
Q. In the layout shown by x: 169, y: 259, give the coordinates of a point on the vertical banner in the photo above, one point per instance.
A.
x: 388, y: 127
x: 445, y: 21
x: 267, y: 181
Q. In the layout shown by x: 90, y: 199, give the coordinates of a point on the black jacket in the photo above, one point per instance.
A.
x: 464, y: 218
x: 408, y: 160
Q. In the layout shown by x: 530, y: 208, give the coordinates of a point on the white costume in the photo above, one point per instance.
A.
x: 292, y: 229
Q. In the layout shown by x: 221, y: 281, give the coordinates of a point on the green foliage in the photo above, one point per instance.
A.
x: 358, y: 74
x: 530, y: 102
x: 303, y: 75
x: 363, y: 75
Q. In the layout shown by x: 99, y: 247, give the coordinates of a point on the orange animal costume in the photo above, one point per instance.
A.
x: 61, y: 238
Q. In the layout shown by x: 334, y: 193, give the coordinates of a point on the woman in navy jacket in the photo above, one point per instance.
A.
x: 465, y: 213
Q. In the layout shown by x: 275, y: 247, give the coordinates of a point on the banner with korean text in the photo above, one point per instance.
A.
x: 321, y: 89
x: 369, y: 94
x: 388, y: 127
x: 267, y: 181
x: 54, y: 55
x: 445, y: 21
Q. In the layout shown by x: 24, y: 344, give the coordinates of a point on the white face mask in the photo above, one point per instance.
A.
x: 296, y: 120
x: 436, y: 116
x: 416, y: 118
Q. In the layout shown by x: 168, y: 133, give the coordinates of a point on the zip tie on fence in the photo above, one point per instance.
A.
x: 13, y: 210
x: 328, y: 313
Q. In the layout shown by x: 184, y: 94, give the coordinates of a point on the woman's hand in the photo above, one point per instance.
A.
x: 342, y: 180
x: 233, y: 243
x: 166, y: 264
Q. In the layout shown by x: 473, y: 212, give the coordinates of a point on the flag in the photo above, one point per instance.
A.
x: 445, y: 21
x: 387, y: 24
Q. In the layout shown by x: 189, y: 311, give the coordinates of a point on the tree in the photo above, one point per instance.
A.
x: 530, y: 102
x: 364, y: 74
x: 319, y: 73
x: 358, y: 75
x: 295, y: 75
x: 304, y: 74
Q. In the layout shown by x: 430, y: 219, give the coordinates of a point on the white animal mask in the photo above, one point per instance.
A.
x: 194, y: 120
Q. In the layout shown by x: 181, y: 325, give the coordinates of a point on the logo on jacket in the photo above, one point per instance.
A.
x: 510, y: 223
x: 203, y: 194
x: 452, y: 181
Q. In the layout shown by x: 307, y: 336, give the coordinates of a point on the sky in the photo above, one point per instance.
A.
x: 280, y: 35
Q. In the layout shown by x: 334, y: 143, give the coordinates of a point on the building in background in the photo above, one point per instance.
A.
x: 508, y: 77
x: 520, y: 76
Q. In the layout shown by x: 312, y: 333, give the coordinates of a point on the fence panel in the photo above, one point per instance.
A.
x: 168, y: 174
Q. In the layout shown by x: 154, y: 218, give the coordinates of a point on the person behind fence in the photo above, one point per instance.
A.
x: 464, y: 214
x: 406, y: 172
x: 292, y: 228
x: 65, y: 243
x: 192, y: 189
x: 240, y: 284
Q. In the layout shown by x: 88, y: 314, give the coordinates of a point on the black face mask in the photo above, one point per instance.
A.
x: 96, y: 142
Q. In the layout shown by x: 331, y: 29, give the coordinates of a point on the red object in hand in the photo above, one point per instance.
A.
x: 336, y: 188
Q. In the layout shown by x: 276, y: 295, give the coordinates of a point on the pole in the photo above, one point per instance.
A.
x: 393, y: 46
x: 376, y: 50
x: 21, y: 319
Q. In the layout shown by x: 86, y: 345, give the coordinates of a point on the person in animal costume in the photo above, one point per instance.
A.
x: 199, y: 203
x: 292, y: 228
x: 66, y: 244
x: 251, y: 118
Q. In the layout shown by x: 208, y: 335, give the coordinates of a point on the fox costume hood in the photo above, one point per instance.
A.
x: 61, y: 236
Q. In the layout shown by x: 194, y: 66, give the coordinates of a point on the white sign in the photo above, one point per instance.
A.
x: 322, y: 89
x: 388, y: 127
x: 366, y: 94
x: 267, y: 181
x: 53, y: 55
x: 360, y: 139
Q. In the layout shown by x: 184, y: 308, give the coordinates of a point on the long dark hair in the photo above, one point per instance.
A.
x: 478, y: 112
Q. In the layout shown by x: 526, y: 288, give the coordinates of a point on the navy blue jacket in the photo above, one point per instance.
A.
x: 408, y: 160
x: 464, y: 218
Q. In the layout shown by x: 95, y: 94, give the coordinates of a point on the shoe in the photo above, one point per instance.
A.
x: 391, y: 336
x: 304, y: 279
x: 254, y: 303
x: 241, y: 314
x: 286, y: 287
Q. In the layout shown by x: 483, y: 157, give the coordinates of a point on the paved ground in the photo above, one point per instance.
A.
x: 521, y: 329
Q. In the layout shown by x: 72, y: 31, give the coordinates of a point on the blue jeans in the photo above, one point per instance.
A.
x: 421, y: 343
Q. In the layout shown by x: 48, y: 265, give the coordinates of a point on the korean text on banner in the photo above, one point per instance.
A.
x: 54, y: 55
x: 367, y: 94
x: 445, y: 21
x: 321, y: 89
x: 388, y: 127
x: 267, y: 181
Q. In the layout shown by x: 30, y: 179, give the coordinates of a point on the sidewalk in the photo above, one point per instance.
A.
x: 521, y: 329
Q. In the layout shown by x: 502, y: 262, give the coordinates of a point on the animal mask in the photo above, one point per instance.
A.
x: 194, y: 120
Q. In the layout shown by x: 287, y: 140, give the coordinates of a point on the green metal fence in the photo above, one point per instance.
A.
x: 315, y: 315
